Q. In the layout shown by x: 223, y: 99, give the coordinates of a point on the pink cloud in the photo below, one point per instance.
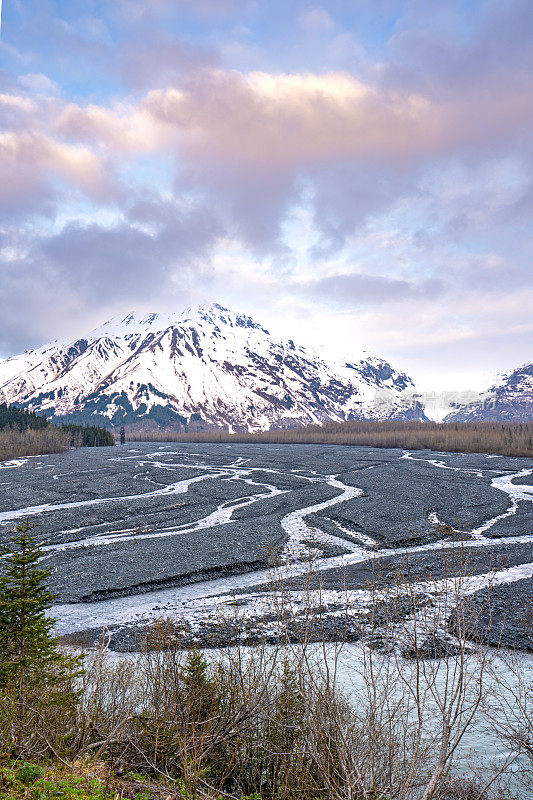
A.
x: 295, y: 119
x: 290, y: 120
x: 246, y: 139
x: 40, y: 155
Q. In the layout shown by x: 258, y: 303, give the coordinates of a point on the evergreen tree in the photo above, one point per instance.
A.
x: 34, y: 674
x: 17, y: 419
x: 122, y: 435
x: 89, y: 436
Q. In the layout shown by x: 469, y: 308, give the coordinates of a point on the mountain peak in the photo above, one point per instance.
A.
x: 203, y: 366
x: 142, y: 323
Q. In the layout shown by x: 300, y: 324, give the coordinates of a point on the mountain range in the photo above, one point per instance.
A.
x: 210, y: 366
x: 509, y: 400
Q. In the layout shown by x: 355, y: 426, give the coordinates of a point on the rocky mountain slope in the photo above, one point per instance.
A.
x: 207, y: 366
x: 509, y: 400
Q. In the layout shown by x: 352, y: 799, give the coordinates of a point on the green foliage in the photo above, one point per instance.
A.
x: 28, y: 773
x: 194, y: 671
x: 89, y: 436
x: 25, y: 631
x: 12, y: 417
x: 33, y: 782
x: 34, y: 674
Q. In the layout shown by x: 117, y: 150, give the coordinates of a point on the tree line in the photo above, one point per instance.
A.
x: 24, y: 433
x: 88, y: 436
x: 16, y: 418
x: 508, y: 439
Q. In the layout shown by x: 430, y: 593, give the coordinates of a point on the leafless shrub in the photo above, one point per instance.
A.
x: 510, y: 439
x: 32, y: 442
x: 464, y: 789
x: 272, y: 719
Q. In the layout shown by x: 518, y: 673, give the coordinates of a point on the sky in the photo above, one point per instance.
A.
x: 352, y: 173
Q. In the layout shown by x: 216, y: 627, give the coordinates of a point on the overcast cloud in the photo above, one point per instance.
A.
x: 354, y: 174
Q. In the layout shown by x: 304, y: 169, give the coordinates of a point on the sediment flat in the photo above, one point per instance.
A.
x: 187, y: 528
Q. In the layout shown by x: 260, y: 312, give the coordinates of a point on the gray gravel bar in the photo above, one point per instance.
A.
x: 134, y: 520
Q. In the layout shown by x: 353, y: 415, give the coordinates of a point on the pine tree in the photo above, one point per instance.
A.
x: 33, y: 673
x: 122, y: 435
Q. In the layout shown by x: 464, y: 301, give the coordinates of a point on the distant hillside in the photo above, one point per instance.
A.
x: 210, y: 367
x: 510, y: 400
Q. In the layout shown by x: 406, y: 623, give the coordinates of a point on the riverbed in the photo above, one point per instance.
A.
x: 202, y: 533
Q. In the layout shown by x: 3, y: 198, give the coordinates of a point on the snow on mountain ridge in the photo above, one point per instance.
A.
x: 134, y: 323
x: 510, y: 399
x: 204, y: 366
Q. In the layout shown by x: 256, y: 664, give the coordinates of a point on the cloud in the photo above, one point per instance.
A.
x: 135, y: 10
x: 121, y: 131
x: 29, y: 162
x: 287, y: 120
x: 382, y: 162
x: 157, y: 254
x: 162, y: 60
x: 299, y: 119
x: 443, y: 48
x: 316, y: 20
x: 253, y: 141
x: 362, y: 290
x: 38, y: 84
x: 28, y: 295
x: 143, y: 255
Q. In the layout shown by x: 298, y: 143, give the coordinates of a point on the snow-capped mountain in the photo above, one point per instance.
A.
x: 207, y: 366
x: 509, y: 400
